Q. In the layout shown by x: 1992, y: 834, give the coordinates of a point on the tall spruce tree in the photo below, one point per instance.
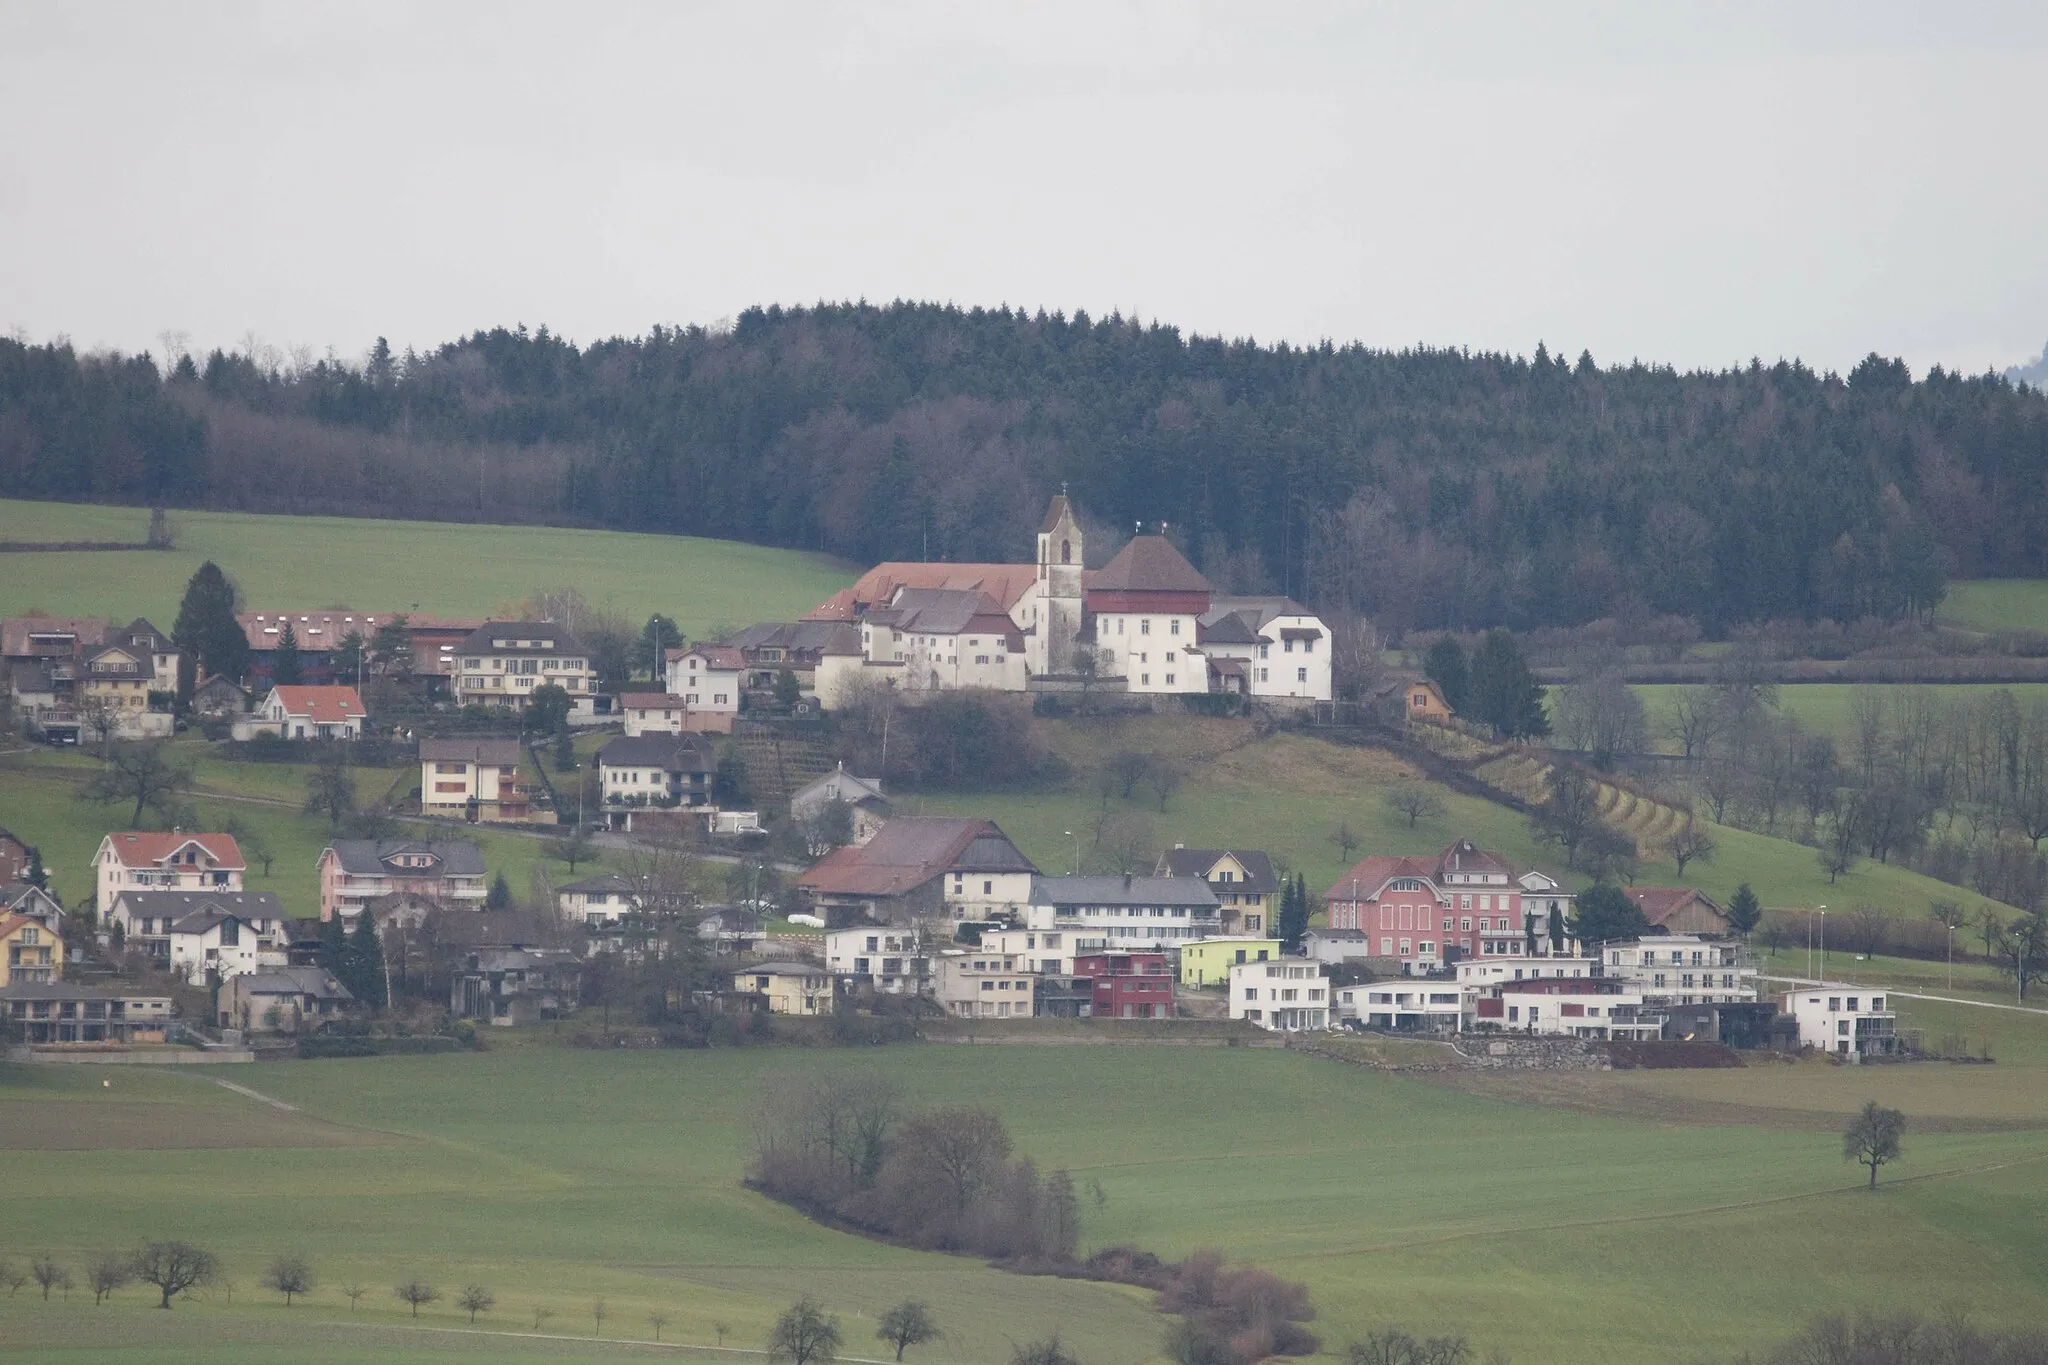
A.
x: 1505, y: 694
x: 1445, y: 666
x: 334, y: 948
x: 284, y: 664
x: 365, y: 957
x: 206, y: 630
x: 1293, y: 913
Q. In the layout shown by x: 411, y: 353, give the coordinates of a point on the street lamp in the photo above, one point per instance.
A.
x: 1077, y: 849
x: 1823, y: 943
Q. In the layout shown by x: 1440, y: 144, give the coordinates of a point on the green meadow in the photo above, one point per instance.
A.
x: 1996, y: 604
x: 1824, y: 707
x: 435, y: 568
x: 557, y: 1178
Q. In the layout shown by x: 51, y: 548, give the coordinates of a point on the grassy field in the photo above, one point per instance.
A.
x: 1823, y: 707
x: 557, y: 1177
x: 1288, y: 794
x: 1998, y: 604
x: 436, y: 568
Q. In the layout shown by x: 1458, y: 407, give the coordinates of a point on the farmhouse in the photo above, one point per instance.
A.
x: 321, y: 635
x: 354, y: 872
x: 146, y: 861
x: 1464, y: 902
x: 1243, y: 881
x: 284, y: 1000
x: 917, y: 869
x: 474, y: 779
x: 1287, y: 995
x: 113, y: 694
x: 330, y: 712
x: 30, y: 954
x: 1679, y: 910
x: 58, y: 1013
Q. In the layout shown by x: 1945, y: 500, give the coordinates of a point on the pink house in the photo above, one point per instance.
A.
x: 1429, y: 912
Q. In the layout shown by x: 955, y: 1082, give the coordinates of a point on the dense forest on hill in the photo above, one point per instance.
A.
x: 1422, y: 488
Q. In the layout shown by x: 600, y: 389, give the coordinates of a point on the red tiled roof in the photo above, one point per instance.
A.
x: 1365, y: 879
x: 1149, y: 564
x: 723, y: 657
x: 327, y: 705
x: 10, y: 922
x: 146, y: 848
x: 904, y: 854
x: 1660, y: 903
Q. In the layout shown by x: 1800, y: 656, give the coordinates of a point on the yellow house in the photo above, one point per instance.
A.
x: 1207, y: 961
x: 788, y: 987
x: 29, y: 953
x: 1425, y: 702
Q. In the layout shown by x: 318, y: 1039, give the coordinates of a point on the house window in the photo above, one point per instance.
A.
x: 1169, y: 680
x: 1466, y: 925
x: 1173, y: 628
x: 1145, y: 626
x: 1301, y: 675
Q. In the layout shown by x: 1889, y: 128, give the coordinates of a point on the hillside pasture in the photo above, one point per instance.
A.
x: 435, y: 568
x: 1995, y: 604
x: 1823, y: 707
x: 556, y: 1177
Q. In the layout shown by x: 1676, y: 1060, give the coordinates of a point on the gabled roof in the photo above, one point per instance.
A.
x: 1365, y: 878
x: 1162, y: 891
x: 544, y: 637
x: 802, y: 637
x: 16, y: 633
x: 141, y: 634
x: 1464, y: 856
x: 848, y: 787
x: 244, y: 905
x: 723, y: 658
x: 1197, y: 862
x: 496, y: 753
x: 314, y: 981
x: 146, y: 848
x: 1226, y: 628
x: 649, y: 701
x: 1660, y: 903
x: 1149, y: 564
x: 609, y: 883
x: 366, y: 857
x: 685, y: 752
x: 16, y: 895
x: 908, y: 852
x: 1004, y: 584
x: 9, y: 922
x: 1256, y: 611
x: 330, y: 705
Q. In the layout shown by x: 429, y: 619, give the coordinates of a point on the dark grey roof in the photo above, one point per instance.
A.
x: 803, y: 637
x: 71, y: 990
x: 656, y: 751
x: 365, y: 857
x: 935, y: 611
x: 1163, y: 891
x: 494, y: 959
x: 1255, y: 612
x: 560, y: 640
x: 1196, y: 862
x: 1226, y: 628
x: 608, y: 882
x: 499, y: 752
x: 183, y: 904
x: 313, y: 981
x: 494, y: 929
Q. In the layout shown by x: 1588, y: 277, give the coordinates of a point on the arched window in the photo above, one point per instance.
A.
x: 1066, y: 552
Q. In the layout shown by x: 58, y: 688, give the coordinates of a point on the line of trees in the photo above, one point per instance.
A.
x: 1424, y: 488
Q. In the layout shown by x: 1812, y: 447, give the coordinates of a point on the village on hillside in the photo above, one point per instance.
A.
x: 736, y: 876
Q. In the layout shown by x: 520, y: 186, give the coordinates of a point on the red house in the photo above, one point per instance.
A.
x: 1428, y: 912
x: 1127, y: 985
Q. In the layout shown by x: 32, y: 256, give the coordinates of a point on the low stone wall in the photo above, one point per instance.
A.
x: 170, y: 1056
x: 1534, y: 1054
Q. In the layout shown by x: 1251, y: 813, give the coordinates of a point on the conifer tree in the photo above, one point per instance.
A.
x: 1445, y: 666
x: 365, y: 957
x: 284, y: 666
x: 206, y: 629
x: 1505, y: 694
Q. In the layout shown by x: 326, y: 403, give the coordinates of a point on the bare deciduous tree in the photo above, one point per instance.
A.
x: 1413, y: 800
x: 1690, y: 842
x: 354, y: 1292
x: 175, y: 1268
x: 804, y: 1335
x: 107, y: 1272
x: 475, y: 1299
x: 414, y: 1293
x: 657, y: 1320
x: 1873, y: 1137
x: 290, y: 1276
x: 49, y: 1273
x: 908, y: 1324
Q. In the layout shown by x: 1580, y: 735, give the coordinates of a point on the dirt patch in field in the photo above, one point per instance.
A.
x: 1793, y: 1102
x: 139, y: 1125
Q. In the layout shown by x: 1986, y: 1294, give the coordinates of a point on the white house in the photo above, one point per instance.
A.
x: 656, y: 770
x: 1274, y: 645
x: 1433, y: 1005
x: 665, y: 713
x: 141, y: 860
x: 1121, y: 910
x: 894, y: 961
x: 707, y: 678
x: 597, y: 900
x: 474, y: 779
x: 501, y: 663
x: 1682, y: 969
x: 946, y: 638
x: 283, y: 1000
x: 1042, y: 952
x: 1476, y: 974
x: 1579, y: 1007
x: 867, y: 808
x: 1288, y: 994
x: 1849, y: 1021
x: 308, y: 713
x: 192, y: 933
x: 977, y: 983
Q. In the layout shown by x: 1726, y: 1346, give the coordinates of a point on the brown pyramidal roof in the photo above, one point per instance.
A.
x: 1057, y: 509
x: 1149, y: 564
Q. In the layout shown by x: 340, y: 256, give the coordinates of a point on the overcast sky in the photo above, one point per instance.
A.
x: 1692, y: 184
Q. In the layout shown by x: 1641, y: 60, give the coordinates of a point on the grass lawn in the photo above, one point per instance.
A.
x: 1998, y: 604
x: 437, y: 568
x: 556, y: 1177
x: 1824, y: 707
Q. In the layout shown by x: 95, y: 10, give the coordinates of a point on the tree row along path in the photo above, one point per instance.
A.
x: 647, y: 1343
x: 1797, y: 982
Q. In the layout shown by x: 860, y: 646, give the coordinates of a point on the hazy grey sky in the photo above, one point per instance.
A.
x: 1691, y: 183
